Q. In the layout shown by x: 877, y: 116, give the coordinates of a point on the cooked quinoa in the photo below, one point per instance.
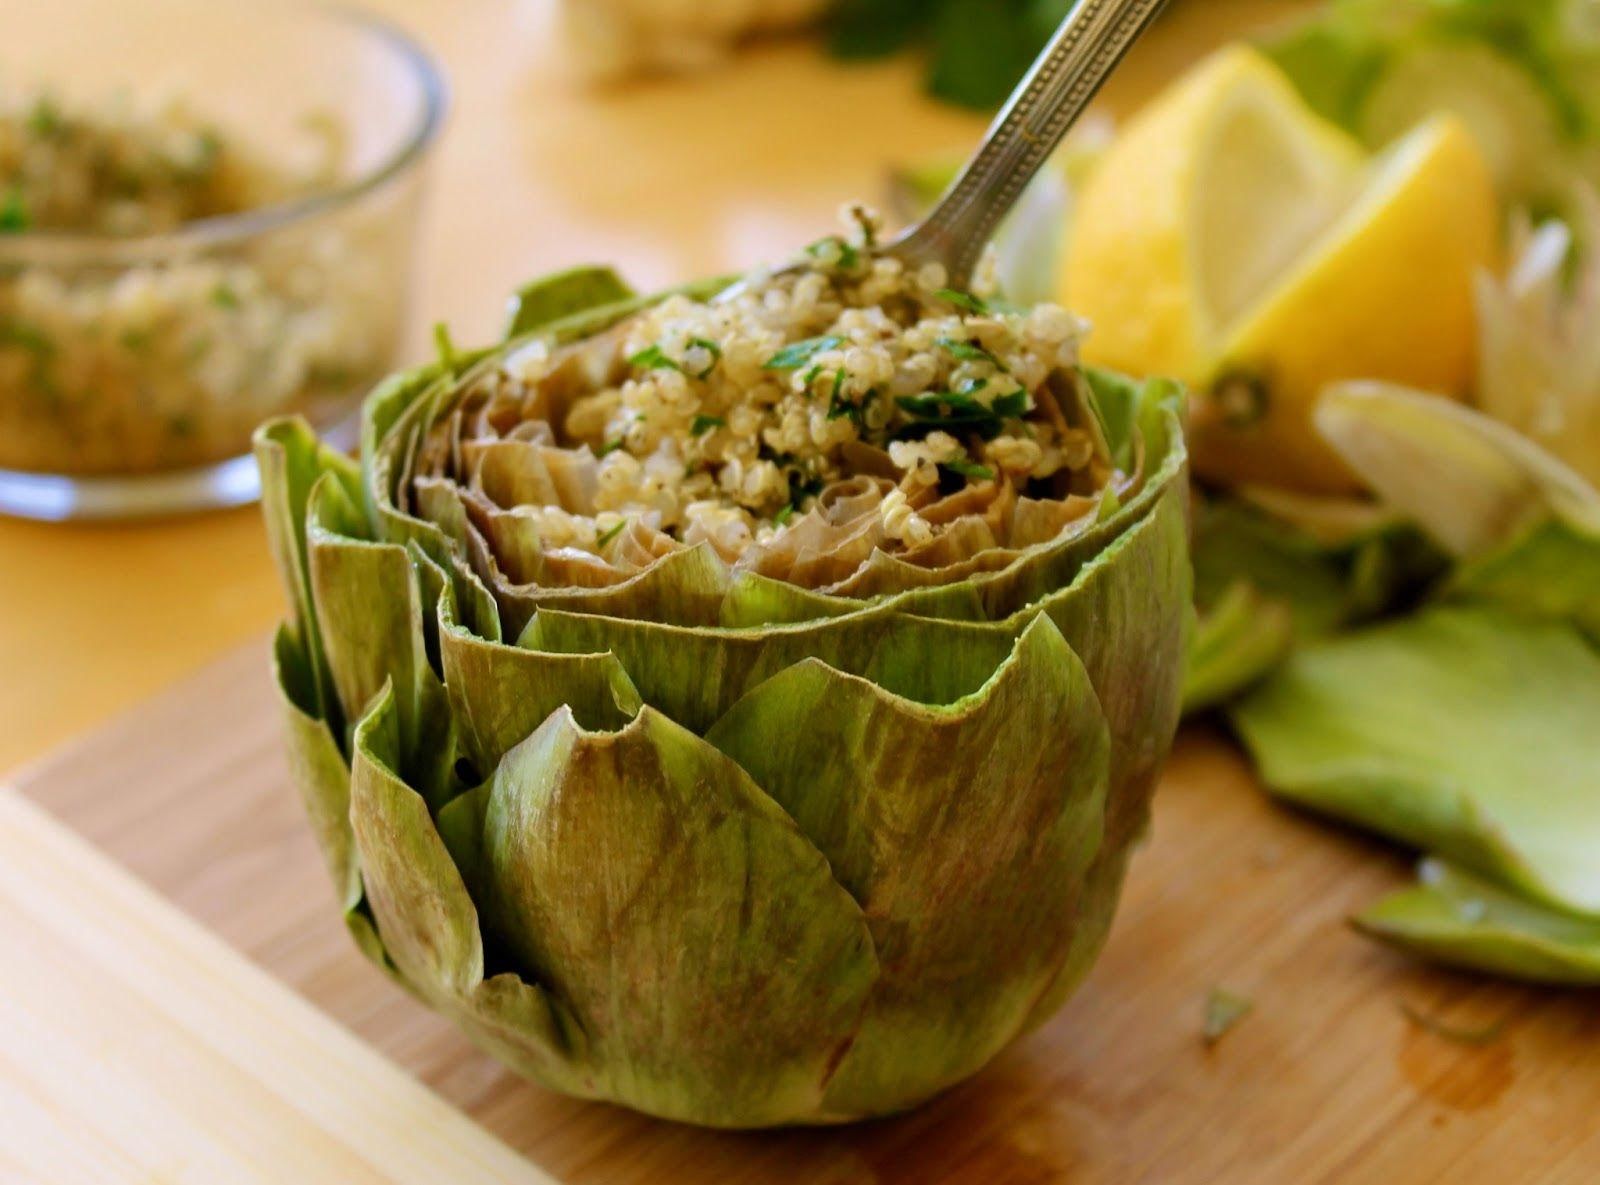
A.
x: 172, y: 362
x: 797, y: 427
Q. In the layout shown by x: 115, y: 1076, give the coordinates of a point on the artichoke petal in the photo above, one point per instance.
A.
x: 1242, y: 638
x: 1461, y: 920
x: 913, y: 803
x: 374, y: 592
x: 1466, y: 731
x: 428, y: 924
x: 718, y: 970
x: 565, y: 294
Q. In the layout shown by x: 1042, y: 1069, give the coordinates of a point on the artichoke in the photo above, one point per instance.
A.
x: 689, y: 763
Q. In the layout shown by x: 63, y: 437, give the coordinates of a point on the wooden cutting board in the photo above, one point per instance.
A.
x: 1327, y: 1080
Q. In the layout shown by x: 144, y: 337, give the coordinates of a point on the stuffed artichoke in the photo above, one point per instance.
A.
x: 739, y: 708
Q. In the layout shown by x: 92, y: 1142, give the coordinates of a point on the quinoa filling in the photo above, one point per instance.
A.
x: 812, y: 425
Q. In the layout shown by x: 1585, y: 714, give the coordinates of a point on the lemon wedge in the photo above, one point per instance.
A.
x: 1235, y: 240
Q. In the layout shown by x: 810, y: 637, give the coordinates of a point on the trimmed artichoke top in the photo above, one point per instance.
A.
x: 799, y: 427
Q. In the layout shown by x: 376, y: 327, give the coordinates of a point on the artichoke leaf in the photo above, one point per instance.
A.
x: 429, y: 926
x: 1462, y: 920
x: 317, y: 768
x: 371, y: 597
x: 502, y: 694
x: 1464, y: 730
x: 1469, y: 481
x: 565, y: 294
x: 913, y: 803
x: 1235, y: 645
x: 1551, y: 570
x: 718, y: 970
x: 291, y: 461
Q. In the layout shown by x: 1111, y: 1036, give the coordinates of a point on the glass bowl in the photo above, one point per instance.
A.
x: 133, y: 368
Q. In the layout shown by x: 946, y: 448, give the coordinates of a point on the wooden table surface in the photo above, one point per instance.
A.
x: 666, y: 180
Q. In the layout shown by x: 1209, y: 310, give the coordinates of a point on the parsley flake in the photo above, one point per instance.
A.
x: 796, y: 355
x: 610, y: 535
x: 963, y: 300
x: 970, y: 352
x: 653, y: 358
x: 704, y: 424
x: 968, y: 469
x: 711, y: 348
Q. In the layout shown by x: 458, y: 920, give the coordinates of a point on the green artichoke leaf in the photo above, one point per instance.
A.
x: 717, y: 969
x: 688, y: 587
x: 994, y: 804
x: 556, y: 297
x: 291, y: 461
x: 1244, y: 637
x: 502, y: 694
x: 1462, y: 920
x: 371, y: 596
x: 429, y: 926
x: 1551, y: 570
x: 317, y: 767
x: 1464, y: 730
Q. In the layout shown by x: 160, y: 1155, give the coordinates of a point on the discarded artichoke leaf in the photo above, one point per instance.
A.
x: 1224, y: 1012
x: 1472, y: 483
x: 1235, y: 645
x: 1464, y: 730
x: 1551, y: 570
x: 1462, y: 920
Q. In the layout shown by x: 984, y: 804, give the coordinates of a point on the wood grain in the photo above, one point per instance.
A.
x: 1326, y: 1080
x: 136, y: 1047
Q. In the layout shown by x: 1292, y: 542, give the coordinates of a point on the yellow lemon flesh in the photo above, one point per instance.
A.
x: 1233, y: 239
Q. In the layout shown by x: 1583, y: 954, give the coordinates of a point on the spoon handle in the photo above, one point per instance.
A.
x: 1088, y: 46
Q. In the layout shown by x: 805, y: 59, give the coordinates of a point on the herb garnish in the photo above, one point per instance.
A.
x: 959, y: 410
x: 1224, y: 1010
x: 809, y: 378
x: 608, y: 448
x: 849, y: 257
x: 968, y: 469
x: 704, y: 424
x: 654, y: 358
x: 610, y: 535
x: 793, y: 357
x: 971, y: 352
x: 840, y: 408
x: 963, y: 300
x: 223, y: 296
x: 711, y: 348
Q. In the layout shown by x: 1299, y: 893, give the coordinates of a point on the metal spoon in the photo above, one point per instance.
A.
x: 1091, y: 42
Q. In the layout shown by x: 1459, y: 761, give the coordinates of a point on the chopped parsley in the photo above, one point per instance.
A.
x: 224, y: 297
x: 781, y: 519
x: 970, y: 352
x: 608, y: 448
x: 654, y: 358
x: 963, y: 300
x: 849, y: 257
x: 610, y: 535
x: 793, y: 357
x: 704, y: 424
x: 840, y: 408
x: 809, y: 378
x: 960, y: 411
x: 711, y: 348
x: 968, y: 469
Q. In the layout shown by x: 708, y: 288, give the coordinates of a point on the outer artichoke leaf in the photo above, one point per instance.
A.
x: 1462, y: 920
x: 291, y: 461
x: 1550, y: 571
x: 716, y: 967
x: 1243, y: 638
x: 428, y: 923
x: 1463, y: 730
x: 695, y: 675
x: 565, y: 294
x: 687, y: 587
x: 754, y: 600
x: 913, y: 804
x: 318, y: 770
x: 371, y: 597
x: 499, y: 695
